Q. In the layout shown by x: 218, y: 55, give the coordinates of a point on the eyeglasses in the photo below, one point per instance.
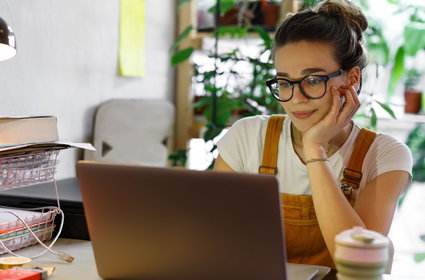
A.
x: 312, y: 86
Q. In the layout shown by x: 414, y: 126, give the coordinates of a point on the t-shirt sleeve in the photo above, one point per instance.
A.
x: 390, y: 155
x: 239, y: 142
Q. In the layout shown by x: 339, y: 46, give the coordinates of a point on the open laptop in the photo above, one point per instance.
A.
x: 174, y: 224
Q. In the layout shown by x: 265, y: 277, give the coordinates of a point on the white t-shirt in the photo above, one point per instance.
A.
x: 242, y: 147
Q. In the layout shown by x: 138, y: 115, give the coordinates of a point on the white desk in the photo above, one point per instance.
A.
x: 84, y: 267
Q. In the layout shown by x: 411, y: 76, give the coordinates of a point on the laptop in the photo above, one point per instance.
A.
x: 174, y: 224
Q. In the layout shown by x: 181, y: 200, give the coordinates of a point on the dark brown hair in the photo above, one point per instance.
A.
x: 336, y: 22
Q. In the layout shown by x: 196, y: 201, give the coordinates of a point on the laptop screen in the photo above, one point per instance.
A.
x: 171, y: 223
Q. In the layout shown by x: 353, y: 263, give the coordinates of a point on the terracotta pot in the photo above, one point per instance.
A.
x: 264, y: 14
x: 271, y: 14
x: 230, y: 17
x: 413, y: 101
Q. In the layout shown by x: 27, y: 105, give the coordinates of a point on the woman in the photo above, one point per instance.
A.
x: 319, y: 58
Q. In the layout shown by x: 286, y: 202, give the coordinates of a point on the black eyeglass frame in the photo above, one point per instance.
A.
x: 324, y: 78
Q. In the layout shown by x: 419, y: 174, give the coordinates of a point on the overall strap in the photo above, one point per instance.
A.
x: 352, y: 174
x: 271, y: 145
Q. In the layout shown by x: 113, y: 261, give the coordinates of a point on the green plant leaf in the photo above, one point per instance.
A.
x: 232, y: 31
x: 387, y: 109
x: 182, y: 3
x: 397, y: 71
x: 266, y: 38
x: 225, y: 6
x: 373, y: 119
x: 401, y: 199
x: 205, y: 100
x: 179, y: 158
x: 377, y: 46
x: 378, y: 53
x: 414, y: 37
x: 182, y: 36
x: 361, y: 116
x: 416, y: 143
x: 419, y: 257
x: 212, y: 131
x: 181, y: 55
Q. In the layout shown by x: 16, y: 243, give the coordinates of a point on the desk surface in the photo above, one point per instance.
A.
x: 84, y: 266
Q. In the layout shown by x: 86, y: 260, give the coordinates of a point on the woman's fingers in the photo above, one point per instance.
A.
x: 336, y: 102
x: 350, y: 106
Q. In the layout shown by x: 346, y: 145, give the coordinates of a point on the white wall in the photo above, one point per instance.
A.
x: 67, y: 63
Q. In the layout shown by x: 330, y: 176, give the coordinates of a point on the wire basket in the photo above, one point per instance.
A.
x: 15, y: 235
x: 26, y: 169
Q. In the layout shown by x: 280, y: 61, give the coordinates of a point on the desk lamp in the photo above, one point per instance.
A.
x: 7, y: 41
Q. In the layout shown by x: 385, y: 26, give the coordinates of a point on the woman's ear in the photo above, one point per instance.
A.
x: 354, y: 77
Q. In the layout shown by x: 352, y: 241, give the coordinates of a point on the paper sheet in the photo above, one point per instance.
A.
x: 132, y: 38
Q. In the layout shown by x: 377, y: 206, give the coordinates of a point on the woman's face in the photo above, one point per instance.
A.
x: 297, y: 60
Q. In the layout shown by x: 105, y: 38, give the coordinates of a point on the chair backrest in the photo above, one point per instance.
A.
x: 132, y: 131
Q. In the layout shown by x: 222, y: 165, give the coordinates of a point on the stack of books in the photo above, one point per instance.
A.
x: 28, y: 150
x: 29, y: 134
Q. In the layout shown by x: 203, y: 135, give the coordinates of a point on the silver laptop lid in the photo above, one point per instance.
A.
x: 169, y: 223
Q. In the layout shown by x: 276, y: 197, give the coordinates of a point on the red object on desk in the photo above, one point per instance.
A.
x: 19, y: 274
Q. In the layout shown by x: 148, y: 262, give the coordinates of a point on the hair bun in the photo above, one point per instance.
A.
x: 347, y: 11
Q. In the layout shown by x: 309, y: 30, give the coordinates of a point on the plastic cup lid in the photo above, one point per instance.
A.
x: 360, y: 237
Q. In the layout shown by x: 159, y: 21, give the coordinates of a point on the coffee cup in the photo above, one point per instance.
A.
x: 361, y: 254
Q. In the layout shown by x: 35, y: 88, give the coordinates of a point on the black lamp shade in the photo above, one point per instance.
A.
x: 7, y: 41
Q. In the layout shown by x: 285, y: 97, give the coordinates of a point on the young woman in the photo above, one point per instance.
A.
x: 319, y: 59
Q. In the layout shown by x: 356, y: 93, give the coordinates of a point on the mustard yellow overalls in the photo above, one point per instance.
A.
x: 304, y: 240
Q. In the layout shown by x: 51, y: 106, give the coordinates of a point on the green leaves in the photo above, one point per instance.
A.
x: 377, y: 46
x: 414, y: 37
x: 393, y: 1
x: 397, y: 71
x: 184, y: 54
x: 387, y: 109
x: 414, y: 41
x: 232, y: 31
x: 416, y: 143
x: 179, y: 158
x: 373, y: 119
x: 181, y: 55
x: 419, y: 257
x: 225, y: 6
x: 182, y: 36
x: 266, y: 38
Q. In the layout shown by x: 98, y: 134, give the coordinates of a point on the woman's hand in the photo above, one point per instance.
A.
x: 340, y: 115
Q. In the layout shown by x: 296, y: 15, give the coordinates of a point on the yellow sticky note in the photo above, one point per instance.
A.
x: 132, y: 38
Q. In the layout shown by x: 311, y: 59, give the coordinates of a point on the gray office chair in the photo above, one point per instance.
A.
x: 132, y: 131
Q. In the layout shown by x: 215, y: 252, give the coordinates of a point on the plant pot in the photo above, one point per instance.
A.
x: 271, y: 13
x: 230, y: 17
x: 413, y: 100
x: 266, y: 14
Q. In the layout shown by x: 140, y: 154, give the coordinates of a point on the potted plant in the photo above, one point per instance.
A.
x: 412, y: 95
x: 238, y: 99
x: 221, y: 105
x: 413, y: 41
x: 263, y: 13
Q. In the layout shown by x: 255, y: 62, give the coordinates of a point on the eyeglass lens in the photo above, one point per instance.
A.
x: 312, y: 86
